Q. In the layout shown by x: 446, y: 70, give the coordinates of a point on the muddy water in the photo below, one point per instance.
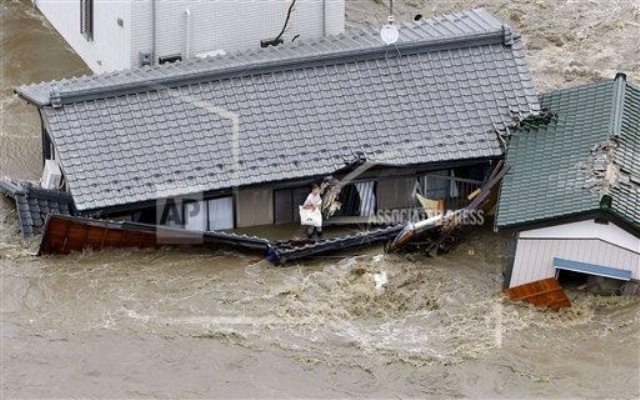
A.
x: 184, y: 323
x: 29, y: 52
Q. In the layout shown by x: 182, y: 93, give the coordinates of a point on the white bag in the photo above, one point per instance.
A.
x: 310, y: 217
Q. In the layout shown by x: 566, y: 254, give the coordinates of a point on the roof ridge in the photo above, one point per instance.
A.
x: 61, y: 97
x: 617, y: 104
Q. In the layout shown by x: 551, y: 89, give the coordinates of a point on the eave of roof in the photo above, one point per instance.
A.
x: 596, y: 213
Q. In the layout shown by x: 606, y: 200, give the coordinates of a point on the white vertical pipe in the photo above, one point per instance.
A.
x: 153, y: 32
x: 187, y: 45
x: 324, y: 17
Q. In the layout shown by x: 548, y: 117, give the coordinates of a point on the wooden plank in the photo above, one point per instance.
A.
x: 542, y: 293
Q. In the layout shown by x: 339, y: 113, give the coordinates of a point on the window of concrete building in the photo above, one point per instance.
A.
x: 86, y: 19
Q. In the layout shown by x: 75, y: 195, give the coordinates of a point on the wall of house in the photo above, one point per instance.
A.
x: 254, y: 207
x: 110, y: 48
x: 229, y: 25
x: 606, y: 245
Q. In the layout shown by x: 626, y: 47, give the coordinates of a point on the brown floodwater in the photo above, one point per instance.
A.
x: 193, y: 323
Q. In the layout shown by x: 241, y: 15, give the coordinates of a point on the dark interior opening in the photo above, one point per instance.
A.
x: 350, y: 199
x: 571, y: 278
x: 592, y: 283
x: 169, y: 59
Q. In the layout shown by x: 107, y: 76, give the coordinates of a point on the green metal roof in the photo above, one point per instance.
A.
x: 558, y: 166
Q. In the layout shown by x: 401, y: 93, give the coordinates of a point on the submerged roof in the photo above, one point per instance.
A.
x: 34, y: 204
x: 448, y: 88
x: 589, y: 148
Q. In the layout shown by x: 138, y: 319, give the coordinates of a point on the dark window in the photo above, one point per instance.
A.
x: 286, y: 203
x: 283, y: 204
x: 170, y: 59
x: 357, y: 199
x: 86, y: 19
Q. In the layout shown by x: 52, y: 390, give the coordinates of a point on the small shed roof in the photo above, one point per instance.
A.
x: 587, y: 148
x: 448, y: 88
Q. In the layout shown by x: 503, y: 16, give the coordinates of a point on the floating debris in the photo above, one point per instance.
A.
x: 542, y: 293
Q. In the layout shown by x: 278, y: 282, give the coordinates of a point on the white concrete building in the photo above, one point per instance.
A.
x: 119, y: 34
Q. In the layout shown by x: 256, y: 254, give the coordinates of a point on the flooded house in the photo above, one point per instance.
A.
x: 572, y: 194
x: 236, y: 140
x: 114, y: 35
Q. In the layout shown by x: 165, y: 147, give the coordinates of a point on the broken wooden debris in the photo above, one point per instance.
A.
x: 437, y: 232
x: 64, y: 234
x: 543, y: 293
x: 284, y: 251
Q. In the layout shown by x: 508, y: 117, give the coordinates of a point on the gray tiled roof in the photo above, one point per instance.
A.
x: 553, y: 165
x: 34, y: 204
x: 448, y: 88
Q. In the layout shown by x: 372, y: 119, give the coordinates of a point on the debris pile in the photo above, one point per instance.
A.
x: 600, y: 169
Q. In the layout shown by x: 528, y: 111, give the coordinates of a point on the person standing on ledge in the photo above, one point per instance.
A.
x: 314, y: 203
